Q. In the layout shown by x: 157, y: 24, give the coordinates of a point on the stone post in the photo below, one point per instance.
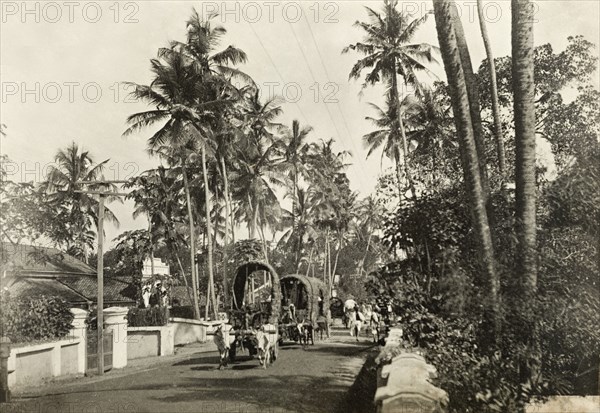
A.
x: 79, y: 330
x: 4, y: 354
x: 115, y: 320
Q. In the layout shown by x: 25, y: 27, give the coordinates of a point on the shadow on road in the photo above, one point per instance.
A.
x: 267, y: 393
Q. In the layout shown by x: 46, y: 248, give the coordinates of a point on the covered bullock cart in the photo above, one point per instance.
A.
x: 256, y: 306
x: 304, y: 300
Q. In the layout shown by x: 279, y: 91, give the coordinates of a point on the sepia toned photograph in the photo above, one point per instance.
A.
x: 304, y: 206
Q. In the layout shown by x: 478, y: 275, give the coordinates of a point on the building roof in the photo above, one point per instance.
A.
x: 45, y: 286
x: 34, y: 271
x: 115, y: 291
x: 27, y: 259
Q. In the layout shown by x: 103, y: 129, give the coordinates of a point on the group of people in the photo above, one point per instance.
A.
x: 361, y: 315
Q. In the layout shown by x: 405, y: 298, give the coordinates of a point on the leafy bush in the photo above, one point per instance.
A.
x: 478, y: 379
x: 34, y: 318
x: 145, y: 317
x: 183, y: 311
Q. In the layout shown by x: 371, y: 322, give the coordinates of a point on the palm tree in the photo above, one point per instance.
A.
x: 445, y: 24
x: 173, y: 92
x: 225, y: 150
x: 389, y: 53
x: 259, y: 118
x: 294, y: 153
x: 304, y: 230
x: 256, y: 181
x: 331, y: 197
x: 214, y: 69
x: 155, y: 194
x: 370, y: 215
x: 474, y: 106
x: 63, y: 185
x: 525, y: 183
x: 258, y: 171
x: 386, y: 134
x: 494, y: 94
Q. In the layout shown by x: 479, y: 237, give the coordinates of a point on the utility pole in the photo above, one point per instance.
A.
x: 100, y: 299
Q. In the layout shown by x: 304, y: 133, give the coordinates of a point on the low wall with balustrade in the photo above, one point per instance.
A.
x: 403, y: 381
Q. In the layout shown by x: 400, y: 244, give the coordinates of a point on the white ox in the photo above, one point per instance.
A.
x: 265, y: 345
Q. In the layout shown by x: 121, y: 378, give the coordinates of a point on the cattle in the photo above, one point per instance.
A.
x: 264, y: 345
x: 221, y: 339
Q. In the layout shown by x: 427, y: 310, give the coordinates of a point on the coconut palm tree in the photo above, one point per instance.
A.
x: 72, y: 166
x: 174, y: 93
x: 390, y: 53
x: 295, y: 148
x: 497, y: 129
x: 447, y: 33
x: 474, y: 106
x: 525, y: 182
x: 259, y: 117
x: 258, y: 167
x: 331, y: 197
x: 386, y: 134
x: 303, y: 231
x: 215, y: 70
x: 255, y: 184
x: 369, y: 217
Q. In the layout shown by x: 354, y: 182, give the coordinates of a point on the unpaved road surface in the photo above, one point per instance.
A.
x: 316, y: 379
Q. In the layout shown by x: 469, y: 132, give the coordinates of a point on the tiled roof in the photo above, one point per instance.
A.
x: 27, y: 259
x: 114, y: 290
x: 75, y: 289
x: 44, y: 286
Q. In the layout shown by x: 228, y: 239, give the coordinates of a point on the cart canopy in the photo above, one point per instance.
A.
x: 307, y: 294
x: 241, y: 278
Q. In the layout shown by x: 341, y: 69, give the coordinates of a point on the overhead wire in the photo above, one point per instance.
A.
x: 275, y: 67
x: 343, y: 117
x: 312, y: 75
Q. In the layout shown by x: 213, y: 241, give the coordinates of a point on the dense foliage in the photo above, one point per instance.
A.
x: 437, y: 291
x: 34, y: 318
x: 144, y: 317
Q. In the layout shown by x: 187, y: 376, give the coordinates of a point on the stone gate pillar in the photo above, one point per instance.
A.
x: 79, y: 330
x: 115, y: 320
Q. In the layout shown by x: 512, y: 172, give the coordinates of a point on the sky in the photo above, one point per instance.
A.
x: 62, y: 65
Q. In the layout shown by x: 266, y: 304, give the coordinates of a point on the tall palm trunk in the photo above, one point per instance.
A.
x: 474, y: 107
x: 253, y: 223
x: 192, y: 246
x: 231, y: 216
x: 208, y: 233
x: 470, y: 163
x: 294, y: 209
x: 337, y: 255
x: 151, y: 244
x: 525, y: 185
x: 398, y: 162
x: 361, y: 265
x: 187, y: 288
x: 226, y: 239
x: 309, y: 262
x: 261, y: 234
x: 494, y: 95
x: 402, y: 132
